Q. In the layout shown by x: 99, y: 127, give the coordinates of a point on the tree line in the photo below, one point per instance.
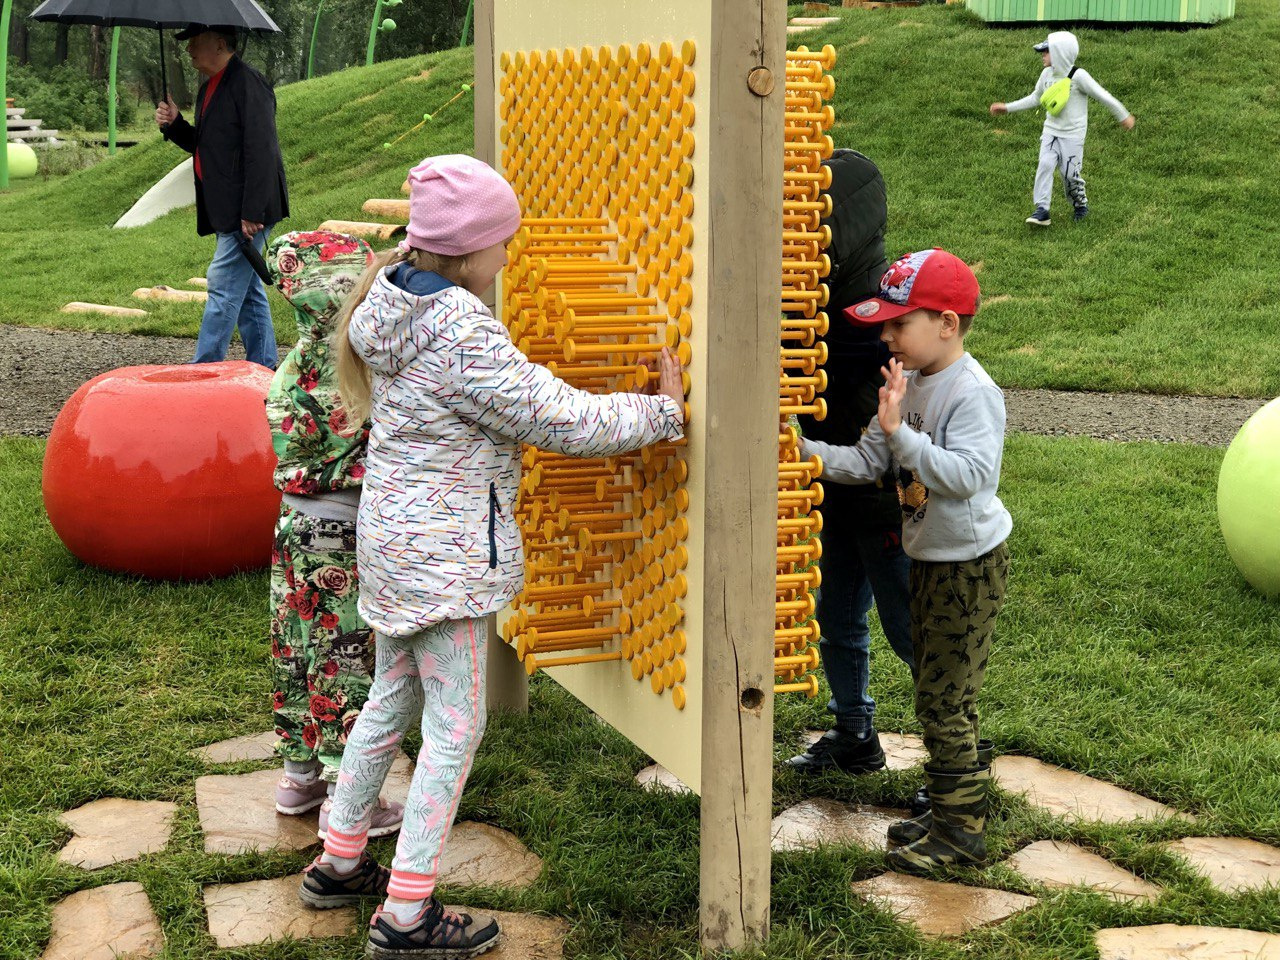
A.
x: 60, y: 71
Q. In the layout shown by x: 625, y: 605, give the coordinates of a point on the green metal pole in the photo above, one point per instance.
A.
x: 466, y: 24
x: 315, y: 30
x: 111, y: 92
x: 5, y: 12
x: 373, y: 33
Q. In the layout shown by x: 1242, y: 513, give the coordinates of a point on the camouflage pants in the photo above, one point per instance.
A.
x: 322, y: 651
x: 954, y: 606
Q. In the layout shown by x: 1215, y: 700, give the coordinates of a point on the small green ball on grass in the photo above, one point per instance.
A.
x: 23, y: 162
x: 1249, y: 499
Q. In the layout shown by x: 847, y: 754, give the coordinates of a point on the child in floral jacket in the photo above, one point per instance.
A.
x: 322, y: 649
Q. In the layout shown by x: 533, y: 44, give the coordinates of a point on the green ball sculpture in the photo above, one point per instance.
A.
x: 23, y: 162
x: 1249, y: 499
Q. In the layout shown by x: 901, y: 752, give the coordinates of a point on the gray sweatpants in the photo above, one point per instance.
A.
x: 1065, y: 156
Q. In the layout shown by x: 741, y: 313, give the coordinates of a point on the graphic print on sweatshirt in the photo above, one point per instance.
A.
x: 913, y: 495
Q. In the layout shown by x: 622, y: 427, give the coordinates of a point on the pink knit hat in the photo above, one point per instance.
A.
x: 458, y: 205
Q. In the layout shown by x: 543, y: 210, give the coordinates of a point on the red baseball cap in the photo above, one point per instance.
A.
x: 929, y: 280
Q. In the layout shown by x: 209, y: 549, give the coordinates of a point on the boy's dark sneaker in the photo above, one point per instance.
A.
x: 324, y: 888
x: 842, y: 750
x: 1040, y: 218
x: 435, y: 934
x: 1081, y: 213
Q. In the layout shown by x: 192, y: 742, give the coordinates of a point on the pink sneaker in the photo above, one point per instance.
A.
x: 293, y: 798
x: 384, y: 821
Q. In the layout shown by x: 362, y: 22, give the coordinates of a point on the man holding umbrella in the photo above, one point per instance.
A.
x: 240, y: 187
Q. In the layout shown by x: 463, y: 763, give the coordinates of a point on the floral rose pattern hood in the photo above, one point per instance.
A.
x: 317, y: 450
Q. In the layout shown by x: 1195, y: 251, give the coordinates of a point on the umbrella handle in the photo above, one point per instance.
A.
x: 164, y: 73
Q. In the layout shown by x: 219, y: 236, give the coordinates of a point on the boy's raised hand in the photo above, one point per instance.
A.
x: 891, y: 394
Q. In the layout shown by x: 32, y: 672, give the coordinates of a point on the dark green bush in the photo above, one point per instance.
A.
x: 66, y: 99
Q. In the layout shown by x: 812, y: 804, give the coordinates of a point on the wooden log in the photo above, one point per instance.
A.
x: 198, y: 282
x: 404, y: 187
x: 379, y: 231
x: 391, y: 209
x: 162, y: 292
x: 77, y: 306
x: 814, y: 9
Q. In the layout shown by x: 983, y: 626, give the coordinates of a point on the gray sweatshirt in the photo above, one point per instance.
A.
x: 1073, y: 122
x: 947, y: 457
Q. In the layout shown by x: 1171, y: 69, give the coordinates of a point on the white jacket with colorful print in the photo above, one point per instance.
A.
x: 453, y: 400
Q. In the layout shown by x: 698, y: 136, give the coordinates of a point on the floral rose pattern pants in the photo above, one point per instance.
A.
x: 437, y: 674
x: 322, y: 651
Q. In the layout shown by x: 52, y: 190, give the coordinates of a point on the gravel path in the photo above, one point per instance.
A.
x: 42, y: 368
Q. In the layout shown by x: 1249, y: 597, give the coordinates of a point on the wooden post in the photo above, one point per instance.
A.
x: 508, y: 684
x: 741, y: 455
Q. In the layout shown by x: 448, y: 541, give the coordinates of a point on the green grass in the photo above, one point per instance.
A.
x: 1166, y: 288
x: 1129, y: 649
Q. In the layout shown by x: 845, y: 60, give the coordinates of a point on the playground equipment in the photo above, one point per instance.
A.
x: 667, y: 156
x: 1249, y: 499
x: 165, y: 471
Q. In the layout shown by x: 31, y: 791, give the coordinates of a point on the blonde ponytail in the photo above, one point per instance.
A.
x: 355, y: 380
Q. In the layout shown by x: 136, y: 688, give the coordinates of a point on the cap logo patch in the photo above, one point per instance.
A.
x: 868, y: 308
x: 896, y: 284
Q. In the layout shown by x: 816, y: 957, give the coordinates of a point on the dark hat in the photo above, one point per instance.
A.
x: 1041, y: 47
x: 195, y: 29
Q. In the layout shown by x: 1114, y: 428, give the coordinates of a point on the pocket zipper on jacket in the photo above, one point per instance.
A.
x: 493, y: 539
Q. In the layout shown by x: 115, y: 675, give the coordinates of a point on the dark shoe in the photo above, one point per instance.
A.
x: 920, y: 802
x: 1081, y: 213
x: 1040, y: 218
x: 434, y: 933
x: 841, y: 750
x: 324, y: 888
x: 957, y: 830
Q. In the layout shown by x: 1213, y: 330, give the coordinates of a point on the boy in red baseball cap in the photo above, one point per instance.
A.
x: 940, y: 427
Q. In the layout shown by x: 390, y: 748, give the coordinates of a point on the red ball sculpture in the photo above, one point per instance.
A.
x: 165, y: 471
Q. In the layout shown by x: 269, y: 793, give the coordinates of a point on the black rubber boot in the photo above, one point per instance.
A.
x: 907, y: 831
x: 958, y: 829
x: 842, y: 750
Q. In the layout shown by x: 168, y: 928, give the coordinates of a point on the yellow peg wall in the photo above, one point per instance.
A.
x: 809, y: 85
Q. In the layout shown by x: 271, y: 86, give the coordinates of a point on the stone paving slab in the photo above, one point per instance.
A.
x: 105, y: 923
x: 1073, y: 796
x: 822, y: 822
x: 941, y: 909
x: 1231, y: 864
x: 242, y: 914
x: 245, y: 914
x: 1064, y: 865
x: 524, y: 936
x: 902, y: 751
x: 238, y: 814
x: 657, y: 777
x: 252, y: 746
x: 1167, y: 941
x: 479, y: 855
x: 113, y: 831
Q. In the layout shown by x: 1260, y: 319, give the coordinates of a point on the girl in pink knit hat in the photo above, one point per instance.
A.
x: 451, y: 400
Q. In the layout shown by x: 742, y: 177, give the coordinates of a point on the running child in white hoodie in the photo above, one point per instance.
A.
x: 1062, y: 142
x: 438, y: 546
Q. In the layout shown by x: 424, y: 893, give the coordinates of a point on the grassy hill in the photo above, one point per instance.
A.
x: 1168, y: 287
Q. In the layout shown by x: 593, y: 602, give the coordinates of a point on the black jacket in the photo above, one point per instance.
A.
x: 239, y: 153
x: 859, y: 214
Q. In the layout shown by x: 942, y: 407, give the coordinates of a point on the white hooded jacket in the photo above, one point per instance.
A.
x: 1073, y: 122
x: 453, y: 400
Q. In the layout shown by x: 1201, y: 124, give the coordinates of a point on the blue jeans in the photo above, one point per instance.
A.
x: 236, y: 298
x: 857, y: 567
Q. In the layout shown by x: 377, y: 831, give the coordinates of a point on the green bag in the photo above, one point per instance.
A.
x: 1055, y: 98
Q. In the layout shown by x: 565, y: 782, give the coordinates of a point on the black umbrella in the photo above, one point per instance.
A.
x: 160, y: 14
